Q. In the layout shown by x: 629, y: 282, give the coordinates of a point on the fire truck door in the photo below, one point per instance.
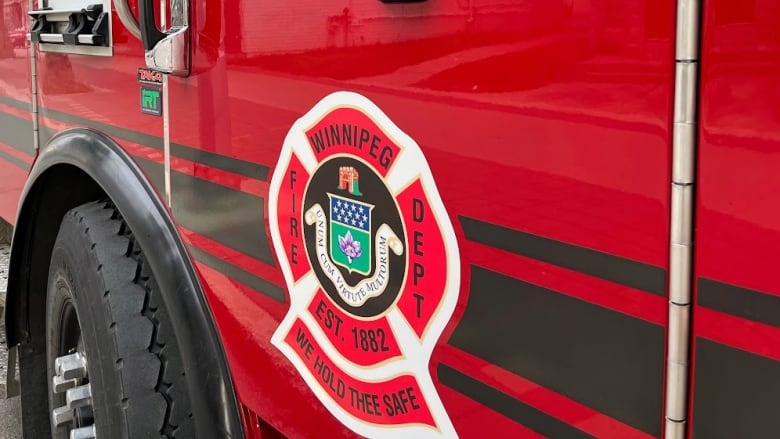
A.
x: 89, y: 77
x: 16, y: 121
x: 736, y: 315
x: 546, y: 125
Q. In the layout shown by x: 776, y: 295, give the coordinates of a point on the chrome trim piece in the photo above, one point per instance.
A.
x: 681, y: 230
x: 166, y: 120
x: 684, y: 142
x: 681, y: 216
x: 677, y: 361
x: 172, y: 54
x: 166, y: 141
x: 684, y: 100
x: 679, y: 280
x: 53, y: 11
x: 70, y: 371
x: 126, y: 17
x: 34, y: 90
x: 687, y: 38
x: 52, y: 38
x: 59, y: 38
x: 77, y: 50
x: 180, y: 13
x: 53, y: 42
x: 163, y: 16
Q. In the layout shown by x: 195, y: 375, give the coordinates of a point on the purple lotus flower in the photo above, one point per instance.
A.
x: 350, y: 247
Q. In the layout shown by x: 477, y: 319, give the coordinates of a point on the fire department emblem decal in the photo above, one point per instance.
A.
x: 372, y: 266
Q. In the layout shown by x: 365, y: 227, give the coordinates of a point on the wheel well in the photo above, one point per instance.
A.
x: 81, y: 165
x: 59, y: 189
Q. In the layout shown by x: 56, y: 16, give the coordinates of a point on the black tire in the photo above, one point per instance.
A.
x: 134, y: 366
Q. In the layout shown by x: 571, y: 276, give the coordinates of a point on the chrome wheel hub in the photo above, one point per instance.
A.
x: 71, y: 378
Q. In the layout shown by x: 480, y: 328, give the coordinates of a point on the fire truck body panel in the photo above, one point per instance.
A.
x: 548, y: 130
x: 526, y: 133
x: 16, y: 85
x: 735, y: 330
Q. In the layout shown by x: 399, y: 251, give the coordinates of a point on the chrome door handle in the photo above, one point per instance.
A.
x: 166, y: 52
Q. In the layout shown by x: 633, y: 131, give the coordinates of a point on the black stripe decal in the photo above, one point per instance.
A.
x: 154, y: 171
x: 17, y: 133
x: 26, y: 106
x: 603, y: 359
x: 114, y: 131
x: 623, y: 271
x: 508, y: 406
x: 233, y: 218
x: 239, y: 274
x: 14, y: 161
x: 247, y: 169
x: 739, y: 302
x: 736, y: 393
x: 225, y: 163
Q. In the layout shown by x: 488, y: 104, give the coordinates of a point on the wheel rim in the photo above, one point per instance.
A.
x: 71, y: 377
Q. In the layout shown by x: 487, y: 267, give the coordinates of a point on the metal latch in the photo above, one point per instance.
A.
x: 166, y: 52
x: 88, y: 26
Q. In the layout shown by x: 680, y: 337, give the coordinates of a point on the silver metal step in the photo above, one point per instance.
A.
x: 8, y: 387
x: 5, y: 257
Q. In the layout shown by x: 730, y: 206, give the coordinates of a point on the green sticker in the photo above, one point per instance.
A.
x: 151, y: 101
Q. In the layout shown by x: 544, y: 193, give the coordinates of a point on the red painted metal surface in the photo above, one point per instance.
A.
x: 737, y: 215
x: 738, y: 225
x: 15, y: 74
x: 551, y: 117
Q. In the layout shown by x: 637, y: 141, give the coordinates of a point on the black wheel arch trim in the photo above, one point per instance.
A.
x: 212, y: 395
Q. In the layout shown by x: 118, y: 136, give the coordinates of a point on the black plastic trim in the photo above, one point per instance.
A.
x: 150, y: 34
x: 213, y: 399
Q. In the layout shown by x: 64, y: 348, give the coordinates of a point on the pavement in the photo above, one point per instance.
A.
x: 10, y: 411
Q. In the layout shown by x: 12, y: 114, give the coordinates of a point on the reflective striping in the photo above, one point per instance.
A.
x: 603, y: 359
x: 508, y: 406
x: 739, y: 302
x: 239, y: 274
x: 623, y: 271
x: 736, y: 393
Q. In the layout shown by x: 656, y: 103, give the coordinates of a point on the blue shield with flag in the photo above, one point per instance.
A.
x: 350, y: 234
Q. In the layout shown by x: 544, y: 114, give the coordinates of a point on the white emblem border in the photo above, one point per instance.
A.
x: 410, y: 165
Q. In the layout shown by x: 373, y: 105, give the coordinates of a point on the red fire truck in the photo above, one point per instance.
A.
x: 393, y: 218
